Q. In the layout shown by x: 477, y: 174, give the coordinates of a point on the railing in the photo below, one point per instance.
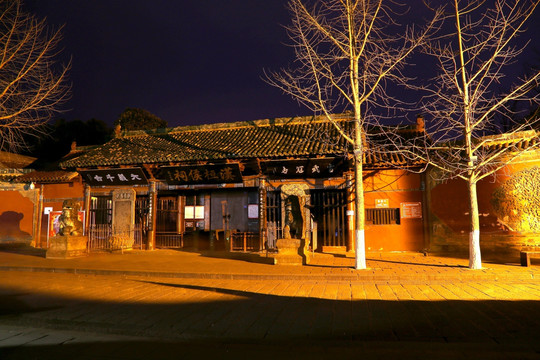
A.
x: 100, y: 234
x: 138, y: 234
x: 169, y: 240
x: 98, y: 237
x: 245, y: 241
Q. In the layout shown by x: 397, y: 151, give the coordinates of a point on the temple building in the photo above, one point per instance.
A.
x: 221, y: 186
x: 228, y: 187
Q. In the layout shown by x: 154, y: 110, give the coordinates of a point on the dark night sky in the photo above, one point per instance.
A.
x: 187, y: 61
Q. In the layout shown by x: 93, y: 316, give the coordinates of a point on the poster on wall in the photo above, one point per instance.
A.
x: 411, y: 210
x: 194, y: 212
x: 54, y: 222
x: 253, y: 211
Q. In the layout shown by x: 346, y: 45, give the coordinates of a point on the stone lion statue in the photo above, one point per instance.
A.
x: 293, y: 219
x: 69, y: 220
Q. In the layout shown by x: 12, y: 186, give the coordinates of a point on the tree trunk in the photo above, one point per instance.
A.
x: 360, y: 213
x: 475, y: 258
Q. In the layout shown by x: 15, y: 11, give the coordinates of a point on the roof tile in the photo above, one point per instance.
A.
x: 274, y: 138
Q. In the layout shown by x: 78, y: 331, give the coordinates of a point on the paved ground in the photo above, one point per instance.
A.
x: 172, y: 304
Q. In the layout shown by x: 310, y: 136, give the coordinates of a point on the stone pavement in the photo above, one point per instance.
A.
x: 225, y: 265
x: 170, y: 304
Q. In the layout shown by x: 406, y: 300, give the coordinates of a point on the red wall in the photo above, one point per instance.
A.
x: 398, y: 187
x: 16, y: 216
x: 449, y: 205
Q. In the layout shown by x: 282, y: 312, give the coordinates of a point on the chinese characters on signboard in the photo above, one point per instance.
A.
x: 299, y: 169
x: 411, y: 210
x: 202, y: 174
x: 128, y: 176
x: 381, y: 203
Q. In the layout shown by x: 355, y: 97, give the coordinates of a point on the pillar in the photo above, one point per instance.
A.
x: 87, y: 202
x: 152, y: 202
x: 262, y: 214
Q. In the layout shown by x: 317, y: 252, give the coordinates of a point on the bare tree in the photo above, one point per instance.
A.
x: 466, y: 100
x: 30, y: 89
x: 346, y: 53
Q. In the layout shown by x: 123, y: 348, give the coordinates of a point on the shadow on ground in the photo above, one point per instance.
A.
x: 244, y: 324
x: 251, y: 257
x: 162, y: 350
x: 22, y: 249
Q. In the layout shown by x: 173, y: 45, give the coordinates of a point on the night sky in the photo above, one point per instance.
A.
x: 188, y: 62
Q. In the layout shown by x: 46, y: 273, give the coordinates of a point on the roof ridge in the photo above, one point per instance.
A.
x: 294, y: 120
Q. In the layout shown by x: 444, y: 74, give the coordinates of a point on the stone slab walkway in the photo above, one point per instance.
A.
x: 171, y: 304
x: 172, y: 263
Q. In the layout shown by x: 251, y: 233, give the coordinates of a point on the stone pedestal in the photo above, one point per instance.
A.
x: 65, y: 247
x: 121, y: 243
x: 289, y: 252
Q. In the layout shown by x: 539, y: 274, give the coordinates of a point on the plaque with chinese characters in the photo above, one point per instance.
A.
x: 202, y: 174
x: 114, y: 177
x: 411, y: 210
x: 306, y: 168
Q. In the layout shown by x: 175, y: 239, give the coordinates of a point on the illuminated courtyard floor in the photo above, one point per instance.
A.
x: 192, y: 305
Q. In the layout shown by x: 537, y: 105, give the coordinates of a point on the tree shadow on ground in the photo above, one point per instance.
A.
x: 218, y: 317
x: 22, y: 249
x: 251, y: 257
x: 415, y: 263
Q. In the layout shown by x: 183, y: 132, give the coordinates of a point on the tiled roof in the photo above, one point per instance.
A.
x: 256, y: 139
x: 14, y: 161
x: 10, y: 174
x: 264, y: 139
x: 515, y: 141
x: 47, y: 177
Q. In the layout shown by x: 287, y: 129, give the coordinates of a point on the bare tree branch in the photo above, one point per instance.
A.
x: 346, y: 53
x: 30, y: 89
x: 466, y: 102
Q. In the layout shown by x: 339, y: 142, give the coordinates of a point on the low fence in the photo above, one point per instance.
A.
x: 245, y: 241
x: 99, y: 236
x: 169, y: 240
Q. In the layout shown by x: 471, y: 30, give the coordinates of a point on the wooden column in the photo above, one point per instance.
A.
x: 87, y: 201
x: 38, y: 218
x: 152, y: 206
x: 262, y: 214
x: 426, y: 196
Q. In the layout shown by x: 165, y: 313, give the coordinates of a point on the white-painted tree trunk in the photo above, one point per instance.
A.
x: 359, y: 214
x: 360, y: 250
x: 475, y: 258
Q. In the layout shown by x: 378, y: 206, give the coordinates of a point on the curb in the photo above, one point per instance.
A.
x: 361, y: 277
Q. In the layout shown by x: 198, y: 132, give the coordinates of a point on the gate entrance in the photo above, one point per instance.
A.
x: 168, y: 231
x: 328, y: 209
x: 273, y: 218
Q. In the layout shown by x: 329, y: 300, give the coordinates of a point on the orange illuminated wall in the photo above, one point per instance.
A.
x: 16, y: 215
x: 395, y: 189
x: 509, y: 207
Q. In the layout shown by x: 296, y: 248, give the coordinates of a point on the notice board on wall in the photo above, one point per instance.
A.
x: 411, y: 210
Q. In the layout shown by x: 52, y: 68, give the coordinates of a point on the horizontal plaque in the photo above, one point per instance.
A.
x: 202, y: 174
x: 305, y: 168
x: 108, y: 177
